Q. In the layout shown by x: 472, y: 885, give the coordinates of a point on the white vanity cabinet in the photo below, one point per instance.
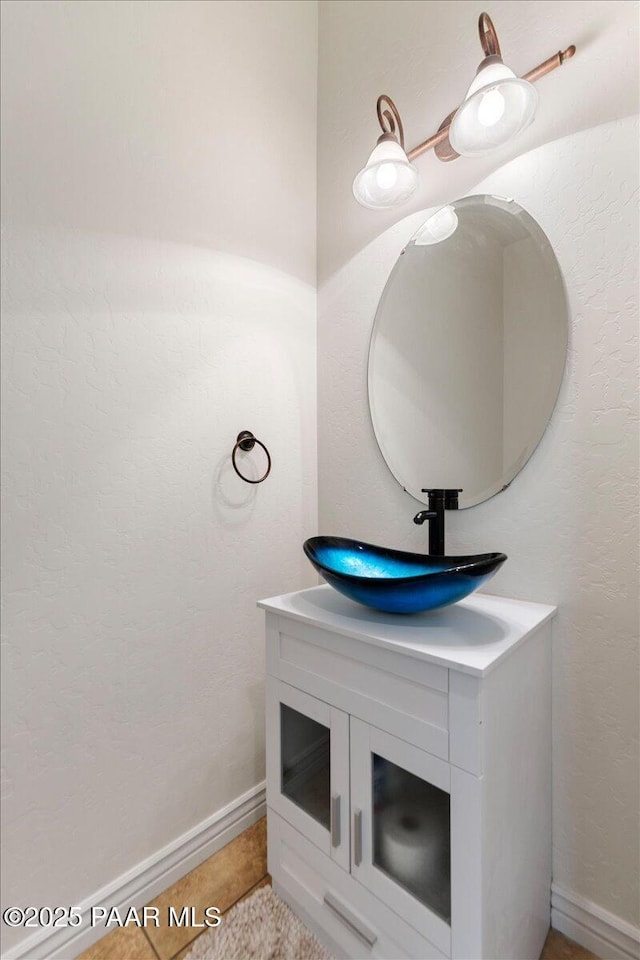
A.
x: 409, y: 775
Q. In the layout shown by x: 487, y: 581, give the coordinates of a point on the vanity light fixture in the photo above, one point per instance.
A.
x: 498, y: 106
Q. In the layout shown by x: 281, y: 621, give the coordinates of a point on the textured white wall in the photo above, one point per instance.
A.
x: 158, y: 267
x: 569, y: 521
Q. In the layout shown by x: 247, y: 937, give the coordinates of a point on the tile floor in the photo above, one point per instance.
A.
x: 221, y: 881
x: 225, y: 878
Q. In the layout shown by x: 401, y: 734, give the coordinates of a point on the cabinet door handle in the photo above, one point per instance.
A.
x: 354, y: 923
x: 335, y: 820
x: 357, y: 837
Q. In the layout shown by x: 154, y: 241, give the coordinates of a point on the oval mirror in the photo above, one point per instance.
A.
x: 468, y: 350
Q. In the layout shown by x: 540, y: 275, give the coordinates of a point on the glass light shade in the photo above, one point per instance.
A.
x: 387, y: 179
x: 437, y: 228
x: 498, y: 107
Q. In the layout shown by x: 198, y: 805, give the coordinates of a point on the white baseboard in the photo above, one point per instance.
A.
x: 596, y: 929
x: 147, y: 879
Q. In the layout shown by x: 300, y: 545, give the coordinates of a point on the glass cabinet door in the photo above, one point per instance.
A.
x: 401, y: 821
x: 308, y: 767
x: 305, y: 763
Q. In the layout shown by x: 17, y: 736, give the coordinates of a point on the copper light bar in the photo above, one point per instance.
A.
x: 389, y: 118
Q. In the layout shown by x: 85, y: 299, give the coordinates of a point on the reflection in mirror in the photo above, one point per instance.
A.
x: 468, y: 350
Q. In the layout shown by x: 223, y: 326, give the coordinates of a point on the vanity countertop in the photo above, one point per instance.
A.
x: 471, y: 636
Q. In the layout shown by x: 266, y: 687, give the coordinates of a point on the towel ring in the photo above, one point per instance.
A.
x: 246, y: 441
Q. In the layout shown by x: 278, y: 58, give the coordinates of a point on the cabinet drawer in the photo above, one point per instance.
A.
x: 333, y: 902
x: 409, y: 698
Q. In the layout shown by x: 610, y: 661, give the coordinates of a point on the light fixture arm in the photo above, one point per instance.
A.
x: 488, y: 36
x: 491, y: 48
x: 390, y: 121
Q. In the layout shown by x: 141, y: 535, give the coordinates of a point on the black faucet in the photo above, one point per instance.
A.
x: 439, y: 501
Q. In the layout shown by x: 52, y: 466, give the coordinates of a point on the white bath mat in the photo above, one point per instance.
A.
x: 261, y: 927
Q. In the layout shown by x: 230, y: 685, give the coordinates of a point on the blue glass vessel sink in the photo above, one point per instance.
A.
x: 395, y: 581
